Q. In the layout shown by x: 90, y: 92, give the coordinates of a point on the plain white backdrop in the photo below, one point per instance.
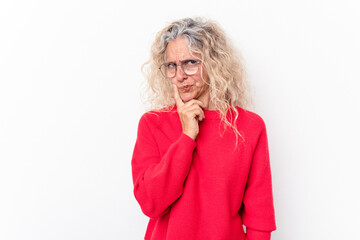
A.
x: 70, y: 104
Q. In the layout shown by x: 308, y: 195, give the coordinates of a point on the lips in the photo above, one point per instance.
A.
x: 186, y: 87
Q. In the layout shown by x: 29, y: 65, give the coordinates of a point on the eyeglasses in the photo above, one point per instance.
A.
x: 189, y: 67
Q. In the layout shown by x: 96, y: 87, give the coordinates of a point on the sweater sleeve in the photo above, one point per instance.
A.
x: 158, y: 181
x: 257, y: 211
x: 257, y: 235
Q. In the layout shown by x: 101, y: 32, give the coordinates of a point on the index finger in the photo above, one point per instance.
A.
x: 177, y: 98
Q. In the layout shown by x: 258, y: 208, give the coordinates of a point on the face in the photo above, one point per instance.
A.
x: 190, y: 87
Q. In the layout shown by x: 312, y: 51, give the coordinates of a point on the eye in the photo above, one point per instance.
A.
x: 191, y: 62
x: 171, y: 65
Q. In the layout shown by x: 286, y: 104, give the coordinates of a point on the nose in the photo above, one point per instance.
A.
x: 180, y: 75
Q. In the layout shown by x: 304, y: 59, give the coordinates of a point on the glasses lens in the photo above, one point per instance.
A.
x: 167, y: 71
x: 190, y: 67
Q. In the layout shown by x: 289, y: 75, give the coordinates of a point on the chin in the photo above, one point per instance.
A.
x: 187, y: 97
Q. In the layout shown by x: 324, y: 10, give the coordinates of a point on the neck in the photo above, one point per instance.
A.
x: 210, y: 106
x: 206, y: 100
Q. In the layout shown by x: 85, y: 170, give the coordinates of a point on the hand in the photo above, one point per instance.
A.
x: 190, y: 114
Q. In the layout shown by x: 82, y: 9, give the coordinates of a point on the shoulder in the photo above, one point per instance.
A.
x: 250, y: 119
x: 252, y: 125
x: 157, y: 117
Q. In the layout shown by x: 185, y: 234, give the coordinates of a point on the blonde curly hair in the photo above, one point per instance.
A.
x: 223, y: 64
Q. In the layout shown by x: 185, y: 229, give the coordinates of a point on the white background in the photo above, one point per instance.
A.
x: 70, y: 104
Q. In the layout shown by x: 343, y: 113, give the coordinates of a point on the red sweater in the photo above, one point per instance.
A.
x: 204, y: 189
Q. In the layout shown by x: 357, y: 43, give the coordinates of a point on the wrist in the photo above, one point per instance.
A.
x: 193, y: 136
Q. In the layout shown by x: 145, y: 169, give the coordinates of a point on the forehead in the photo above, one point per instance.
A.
x: 177, y: 50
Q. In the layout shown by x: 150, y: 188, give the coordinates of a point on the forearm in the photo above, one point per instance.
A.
x: 161, y: 183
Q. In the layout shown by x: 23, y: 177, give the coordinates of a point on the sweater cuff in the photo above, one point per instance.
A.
x: 189, y: 141
x: 257, y: 235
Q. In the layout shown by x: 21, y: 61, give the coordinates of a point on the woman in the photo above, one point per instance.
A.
x: 200, y: 165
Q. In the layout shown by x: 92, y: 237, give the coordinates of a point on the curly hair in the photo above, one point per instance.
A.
x: 223, y: 64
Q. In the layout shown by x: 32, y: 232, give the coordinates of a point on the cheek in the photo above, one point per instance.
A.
x: 200, y: 83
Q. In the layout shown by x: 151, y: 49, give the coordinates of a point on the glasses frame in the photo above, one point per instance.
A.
x: 182, y: 67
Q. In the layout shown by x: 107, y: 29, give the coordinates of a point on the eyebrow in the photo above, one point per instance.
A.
x: 184, y: 60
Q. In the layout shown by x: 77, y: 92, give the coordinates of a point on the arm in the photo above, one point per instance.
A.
x: 258, y: 209
x: 257, y: 235
x: 158, y: 182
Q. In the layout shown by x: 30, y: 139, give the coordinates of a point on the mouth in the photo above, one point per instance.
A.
x: 186, y: 88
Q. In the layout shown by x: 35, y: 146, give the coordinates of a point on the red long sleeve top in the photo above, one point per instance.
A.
x: 205, y: 189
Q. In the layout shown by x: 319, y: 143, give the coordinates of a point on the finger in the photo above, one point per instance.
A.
x: 195, y: 113
x: 179, y: 103
x: 202, y: 116
x: 190, y: 108
x: 197, y: 102
x: 194, y: 107
x: 199, y: 115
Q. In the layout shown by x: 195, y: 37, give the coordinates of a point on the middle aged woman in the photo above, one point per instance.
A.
x: 201, y: 165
